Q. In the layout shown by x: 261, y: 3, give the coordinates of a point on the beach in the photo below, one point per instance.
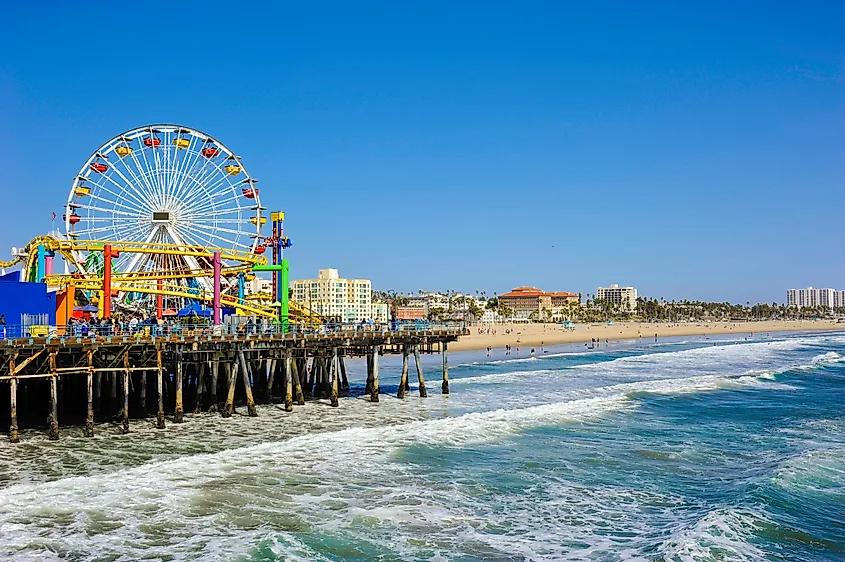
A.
x: 536, y: 335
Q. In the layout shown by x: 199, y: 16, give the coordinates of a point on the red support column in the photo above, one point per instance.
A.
x: 107, y: 280
x: 159, y: 299
x: 217, y: 265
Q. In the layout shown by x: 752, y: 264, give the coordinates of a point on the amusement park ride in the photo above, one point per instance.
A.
x: 164, y: 216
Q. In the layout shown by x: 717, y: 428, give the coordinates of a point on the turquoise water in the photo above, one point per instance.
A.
x: 686, y: 450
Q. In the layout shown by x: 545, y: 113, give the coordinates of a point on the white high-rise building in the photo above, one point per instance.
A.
x: 812, y: 297
x: 338, y: 299
x: 623, y: 296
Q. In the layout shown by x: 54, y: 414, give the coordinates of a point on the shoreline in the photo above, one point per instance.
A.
x: 537, y: 335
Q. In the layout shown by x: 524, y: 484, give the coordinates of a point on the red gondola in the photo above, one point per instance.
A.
x: 210, y: 152
x: 99, y: 167
x: 250, y: 192
x: 73, y: 218
x: 152, y: 141
x: 260, y: 250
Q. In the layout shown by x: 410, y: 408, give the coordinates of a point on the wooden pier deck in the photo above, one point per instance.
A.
x: 76, y: 381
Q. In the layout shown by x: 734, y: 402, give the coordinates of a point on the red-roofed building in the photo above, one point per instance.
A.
x: 527, y: 300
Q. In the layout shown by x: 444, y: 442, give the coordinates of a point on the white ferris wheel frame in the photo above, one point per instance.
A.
x: 204, y: 204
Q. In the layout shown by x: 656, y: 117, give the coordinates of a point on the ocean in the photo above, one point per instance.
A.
x: 687, y: 450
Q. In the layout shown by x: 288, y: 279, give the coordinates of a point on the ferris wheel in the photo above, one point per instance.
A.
x: 168, y: 185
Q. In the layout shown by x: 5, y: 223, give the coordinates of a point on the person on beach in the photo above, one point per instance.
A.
x: 532, y: 352
x: 489, y: 351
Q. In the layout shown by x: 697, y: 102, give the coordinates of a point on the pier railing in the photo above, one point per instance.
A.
x: 239, y: 329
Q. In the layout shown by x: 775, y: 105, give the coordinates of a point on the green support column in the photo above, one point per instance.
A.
x: 284, y: 311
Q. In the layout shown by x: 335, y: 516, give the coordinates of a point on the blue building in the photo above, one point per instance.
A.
x: 20, y: 301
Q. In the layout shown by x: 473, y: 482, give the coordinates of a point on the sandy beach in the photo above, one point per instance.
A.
x: 535, y: 335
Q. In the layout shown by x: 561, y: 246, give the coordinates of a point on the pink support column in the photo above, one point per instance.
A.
x: 216, y: 264
x: 48, y: 265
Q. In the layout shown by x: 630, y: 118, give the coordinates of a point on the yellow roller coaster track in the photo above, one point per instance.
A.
x: 147, y: 282
x: 67, y: 248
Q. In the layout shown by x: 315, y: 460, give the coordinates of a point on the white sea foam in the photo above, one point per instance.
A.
x: 722, y: 534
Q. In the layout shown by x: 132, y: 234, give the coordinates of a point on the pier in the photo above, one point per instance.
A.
x: 75, y: 381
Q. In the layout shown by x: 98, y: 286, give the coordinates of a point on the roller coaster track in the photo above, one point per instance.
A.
x: 146, y: 282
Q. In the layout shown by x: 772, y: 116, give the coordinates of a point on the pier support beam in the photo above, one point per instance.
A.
x: 125, y: 410
x: 423, y: 393
x: 179, y: 413
x: 403, y: 380
x: 89, y: 417
x: 344, y: 382
x: 215, y: 372
x: 297, y: 382
x: 445, y: 352
x: 159, y: 389
x: 13, y: 421
x: 142, y: 394
x: 250, y: 401
x: 374, y: 389
x: 53, y: 417
x: 200, y: 367
x: 231, y: 377
x: 289, y: 373
x: 270, y: 365
x: 334, y: 374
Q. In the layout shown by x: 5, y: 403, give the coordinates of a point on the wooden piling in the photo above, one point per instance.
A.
x: 89, y: 417
x: 179, y: 412
x: 368, y: 389
x: 112, y: 393
x: 445, y: 353
x: 344, y: 382
x: 14, y: 437
x: 200, y: 368
x: 142, y: 394
x: 231, y: 378
x: 125, y: 410
x: 334, y: 374
x: 159, y: 389
x: 374, y: 390
x: 250, y: 401
x: 53, y: 417
x: 270, y: 365
x: 403, y: 380
x: 289, y: 366
x: 215, y: 372
x: 423, y: 393
x: 306, y: 379
x: 297, y: 382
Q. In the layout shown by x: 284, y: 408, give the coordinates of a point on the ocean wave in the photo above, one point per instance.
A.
x: 722, y: 534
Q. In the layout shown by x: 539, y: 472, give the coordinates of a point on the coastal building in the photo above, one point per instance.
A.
x: 814, y: 297
x: 527, y: 302
x: 621, y: 296
x: 258, y: 285
x: 410, y: 313
x: 344, y: 300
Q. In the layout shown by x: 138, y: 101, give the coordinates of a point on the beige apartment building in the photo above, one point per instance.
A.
x: 336, y: 298
x: 622, y: 296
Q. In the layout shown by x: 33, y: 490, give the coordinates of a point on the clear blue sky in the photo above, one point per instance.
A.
x: 693, y: 152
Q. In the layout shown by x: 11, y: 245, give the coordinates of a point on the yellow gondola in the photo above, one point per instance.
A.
x: 233, y: 169
x: 181, y: 143
x: 123, y: 151
x: 82, y: 190
x: 256, y: 221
